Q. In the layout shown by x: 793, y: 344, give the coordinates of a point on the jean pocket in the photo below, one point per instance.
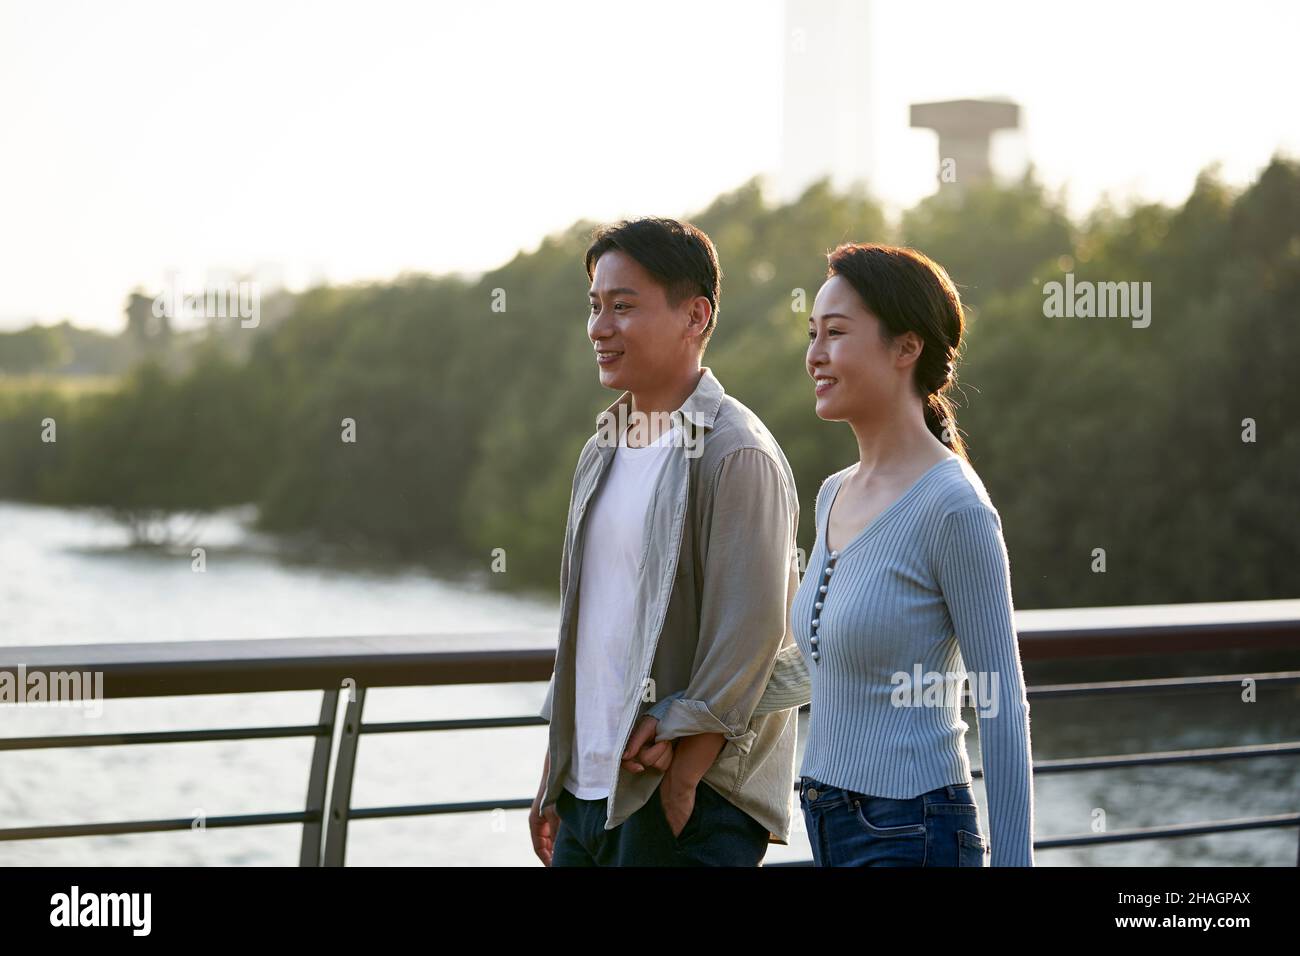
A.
x: 971, y: 848
x: 886, y: 817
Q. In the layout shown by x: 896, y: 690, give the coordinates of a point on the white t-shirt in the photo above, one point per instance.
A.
x: 612, y: 545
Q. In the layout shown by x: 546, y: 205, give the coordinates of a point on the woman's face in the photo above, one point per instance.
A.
x: 854, y: 370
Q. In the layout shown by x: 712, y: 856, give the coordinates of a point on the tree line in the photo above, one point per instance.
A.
x: 1168, y: 452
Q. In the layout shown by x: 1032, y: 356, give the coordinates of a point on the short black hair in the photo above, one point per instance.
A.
x: 680, y: 256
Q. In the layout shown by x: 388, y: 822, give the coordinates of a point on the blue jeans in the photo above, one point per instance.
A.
x: 718, y: 834
x: 845, y: 828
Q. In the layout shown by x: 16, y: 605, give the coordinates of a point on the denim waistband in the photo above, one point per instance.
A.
x: 827, y: 794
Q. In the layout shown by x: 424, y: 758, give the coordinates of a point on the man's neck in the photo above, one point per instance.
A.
x: 658, y: 402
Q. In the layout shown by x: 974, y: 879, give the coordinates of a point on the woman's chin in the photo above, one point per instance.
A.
x: 826, y: 411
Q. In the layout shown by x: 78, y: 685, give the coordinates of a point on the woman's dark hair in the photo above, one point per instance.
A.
x: 909, y: 292
x: 680, y: 257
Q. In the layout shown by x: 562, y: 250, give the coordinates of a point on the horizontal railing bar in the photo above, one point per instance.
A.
x: 161, y: 737
x: 1138, y: 834
x: 184, y: 668
x: 179, y: 668
x: 1150, y: 639
x: 1170, y: 830
x: 1162, y: 685
x: 1286, y: 749
x: 153, y: 826
x: 1155, y: 758
x: 432, y: 809
x: 372, y: 813
x: 1033, y: 692
x: 464, y: 723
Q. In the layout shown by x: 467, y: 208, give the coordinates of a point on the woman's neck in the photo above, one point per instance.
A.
x: 896, y: 441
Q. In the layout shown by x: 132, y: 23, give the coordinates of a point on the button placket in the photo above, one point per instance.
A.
x: 821, y: 604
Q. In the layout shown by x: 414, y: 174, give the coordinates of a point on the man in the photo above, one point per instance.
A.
x: 676, y: 580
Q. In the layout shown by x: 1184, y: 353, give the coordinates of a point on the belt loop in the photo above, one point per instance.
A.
x: 952, y: 791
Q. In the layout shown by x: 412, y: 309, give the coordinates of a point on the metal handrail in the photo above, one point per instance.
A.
x: 352, y: 665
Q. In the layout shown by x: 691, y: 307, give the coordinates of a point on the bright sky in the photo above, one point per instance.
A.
x: 357, y: 141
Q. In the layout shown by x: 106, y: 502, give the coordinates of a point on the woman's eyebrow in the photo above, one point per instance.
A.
x: 830, y: 315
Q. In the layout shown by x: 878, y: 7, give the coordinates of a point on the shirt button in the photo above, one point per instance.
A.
x: 816, y: 621
x: 813, y: 640
x: 834, y: 555
x: 819, y: 605
x: 829, y: 570
x: 823, y: 589
x: 816, y: 656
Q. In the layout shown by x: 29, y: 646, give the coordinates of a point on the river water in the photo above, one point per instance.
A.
x: 68, y: 576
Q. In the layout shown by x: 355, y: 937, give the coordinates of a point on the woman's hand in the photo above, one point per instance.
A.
x: 642, y: 752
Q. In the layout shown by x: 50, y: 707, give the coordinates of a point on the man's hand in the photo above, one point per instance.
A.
x: 545, y: 826
x: 678, y: 799
x: 642, y: 752
x: 544, y: 822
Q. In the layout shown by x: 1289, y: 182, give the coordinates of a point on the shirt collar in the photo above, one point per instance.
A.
x: 701, y: 407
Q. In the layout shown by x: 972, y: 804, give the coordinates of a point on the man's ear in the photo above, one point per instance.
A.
x: 701, y: 310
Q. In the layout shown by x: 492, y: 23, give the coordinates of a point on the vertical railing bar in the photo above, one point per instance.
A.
x: 317, y: 779
x: 336, y: 826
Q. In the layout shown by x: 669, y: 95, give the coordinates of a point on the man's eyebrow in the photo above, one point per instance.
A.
x: 623, y: 290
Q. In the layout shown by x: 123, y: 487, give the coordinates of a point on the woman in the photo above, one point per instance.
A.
x: 908, y: 581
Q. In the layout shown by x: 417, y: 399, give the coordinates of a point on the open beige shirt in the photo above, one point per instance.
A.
x: 717, y: 578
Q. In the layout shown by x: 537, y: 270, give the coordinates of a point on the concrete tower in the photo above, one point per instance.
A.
x: 965, y: 129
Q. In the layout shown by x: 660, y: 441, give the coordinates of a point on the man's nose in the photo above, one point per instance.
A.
x: 599, y: 324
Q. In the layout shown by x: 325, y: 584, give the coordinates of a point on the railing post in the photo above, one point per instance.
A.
x: 336, y: 826
x: 317, y: 780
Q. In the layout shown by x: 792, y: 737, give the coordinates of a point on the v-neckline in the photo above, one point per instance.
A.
x: 876, y: 521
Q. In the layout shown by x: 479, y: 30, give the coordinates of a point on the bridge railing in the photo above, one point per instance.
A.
x: 343, y: 669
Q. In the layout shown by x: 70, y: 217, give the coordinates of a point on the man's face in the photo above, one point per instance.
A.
x: 640, y: 340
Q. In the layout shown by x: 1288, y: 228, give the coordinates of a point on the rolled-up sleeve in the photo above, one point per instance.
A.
x: 750, y: 518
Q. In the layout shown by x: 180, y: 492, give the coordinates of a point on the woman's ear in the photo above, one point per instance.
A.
x: 910, y: 346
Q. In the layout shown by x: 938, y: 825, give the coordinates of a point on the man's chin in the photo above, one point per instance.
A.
x: 613, y: 380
